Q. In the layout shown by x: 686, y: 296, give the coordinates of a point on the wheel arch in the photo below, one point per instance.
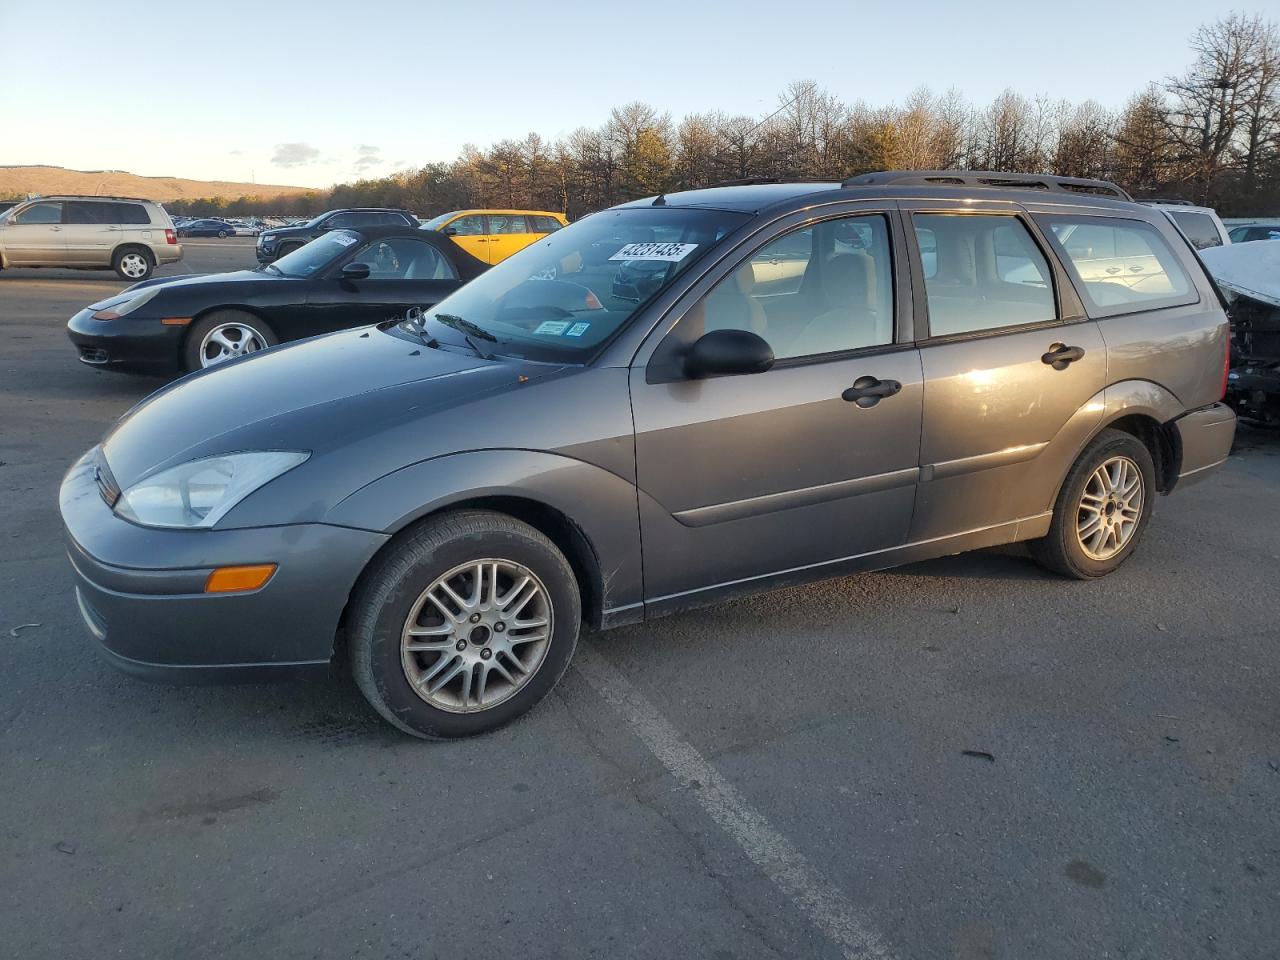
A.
x: 587, y: 512
x: 126, y: 245
x: 201, y: 314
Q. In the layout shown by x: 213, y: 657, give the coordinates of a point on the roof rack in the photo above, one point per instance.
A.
x: 990, y: 179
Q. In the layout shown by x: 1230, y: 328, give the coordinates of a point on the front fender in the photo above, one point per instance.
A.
x: 600, y: 504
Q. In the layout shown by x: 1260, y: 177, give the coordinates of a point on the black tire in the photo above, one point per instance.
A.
x: 196, y: 333
x: 390, y: 588
x: 222, y: 234
x: 1060, y: 550
x: 124, y: 261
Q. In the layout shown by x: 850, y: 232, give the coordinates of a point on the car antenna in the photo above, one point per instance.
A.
x: 660, y: 200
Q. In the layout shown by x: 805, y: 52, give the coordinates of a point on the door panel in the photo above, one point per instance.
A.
x: 750, y: 475
x: 471, y: 235
x: 35, y: 235
x: 810, y: 462
x: 339, y: 304
x: 1002, y: 418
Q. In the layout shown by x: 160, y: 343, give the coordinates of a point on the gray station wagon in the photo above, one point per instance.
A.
x: 814, y: 379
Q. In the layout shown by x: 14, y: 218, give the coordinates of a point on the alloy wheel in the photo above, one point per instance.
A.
x: 228, y: 341
x: 1110, y: 508
x: 476, y: 635
x: 133, y: 266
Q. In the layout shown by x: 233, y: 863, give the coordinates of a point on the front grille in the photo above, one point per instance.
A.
x: 107, y: 486
x: 93, y: 355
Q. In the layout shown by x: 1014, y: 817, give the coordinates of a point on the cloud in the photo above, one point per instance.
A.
x: 236, y: 153
x: 294, y: 154
x: 367, y: 156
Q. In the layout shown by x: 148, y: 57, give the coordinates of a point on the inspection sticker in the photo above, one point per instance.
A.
x: 577, y: 330
x: 668, y: 252
x: 552, y: 326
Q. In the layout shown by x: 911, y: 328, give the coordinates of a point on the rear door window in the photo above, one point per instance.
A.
x: 1120, y: 266
x: 1199, y: 228
x: 545, y: 224
x: 88, y: 211
x: 507, y: 223
x: 982, y: 273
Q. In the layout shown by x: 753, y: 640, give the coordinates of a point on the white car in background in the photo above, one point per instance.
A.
x: 1200, y: 225
x: 244, y: 228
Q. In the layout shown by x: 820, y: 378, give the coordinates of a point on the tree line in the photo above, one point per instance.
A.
x: 1210, y: 134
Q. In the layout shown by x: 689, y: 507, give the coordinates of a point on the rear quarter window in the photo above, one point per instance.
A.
x: 1119, y: 266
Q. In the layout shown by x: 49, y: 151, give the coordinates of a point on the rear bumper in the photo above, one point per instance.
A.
x: 140, y: 592
x: 168, y: 253
x: 1205, y: 438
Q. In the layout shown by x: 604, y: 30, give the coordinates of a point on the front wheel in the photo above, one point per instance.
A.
x: 225, y: 335
x: 1102, y: 509
x: 222, y: 234
x: 132, y: 264
x: 463, y: 625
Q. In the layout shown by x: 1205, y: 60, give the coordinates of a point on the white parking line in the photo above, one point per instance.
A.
x: 815, y: 895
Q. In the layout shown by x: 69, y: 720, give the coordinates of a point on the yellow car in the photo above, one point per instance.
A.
x: 494, y: 235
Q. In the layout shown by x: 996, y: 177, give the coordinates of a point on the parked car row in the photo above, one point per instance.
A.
x: 748, y: 387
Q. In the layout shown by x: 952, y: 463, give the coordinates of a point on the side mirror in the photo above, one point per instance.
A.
x: 450, y: 231
x: 723, y: 353
x: 355, y: 271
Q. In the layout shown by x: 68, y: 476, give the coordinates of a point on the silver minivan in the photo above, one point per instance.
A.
x: 123, y: 234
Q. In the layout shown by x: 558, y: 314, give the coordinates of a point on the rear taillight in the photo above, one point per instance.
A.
x: 1226, y: 365
x: 170, y: 236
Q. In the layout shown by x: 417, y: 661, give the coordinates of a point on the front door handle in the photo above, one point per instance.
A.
x: 1060, y: 355
x: 868, y: 391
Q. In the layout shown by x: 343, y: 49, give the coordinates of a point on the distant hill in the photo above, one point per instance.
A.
x: 20, y: 181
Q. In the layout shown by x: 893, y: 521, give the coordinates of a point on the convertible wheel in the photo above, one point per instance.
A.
x: 1102, y: 510
x: 225, y: 335
x: 463, y: 625
x: 133, y: 264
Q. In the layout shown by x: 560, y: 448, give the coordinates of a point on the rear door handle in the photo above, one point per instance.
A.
x: 1060, y: 355
x: 868, y: 391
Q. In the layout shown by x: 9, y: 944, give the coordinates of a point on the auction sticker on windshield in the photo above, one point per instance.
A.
x: 667, y: 252
x: 552, y: 326
x: 346, y: 239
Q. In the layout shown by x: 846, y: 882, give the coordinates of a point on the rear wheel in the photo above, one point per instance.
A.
x: 1102, y: 509
x: 133, y: 263
x: 222, y: 234
x: 463, y: 625
x: 225, y: 335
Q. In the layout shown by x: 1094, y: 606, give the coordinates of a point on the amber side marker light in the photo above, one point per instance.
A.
x: 239, y: 579
x: 176, y: 321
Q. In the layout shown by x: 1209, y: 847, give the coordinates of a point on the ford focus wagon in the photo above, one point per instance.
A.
x: 814, y: 379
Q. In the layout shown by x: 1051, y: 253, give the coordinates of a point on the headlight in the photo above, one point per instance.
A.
x: 200, y: 493
x: 118, y: 307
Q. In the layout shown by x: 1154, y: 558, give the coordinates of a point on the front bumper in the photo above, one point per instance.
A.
x: 140, y: 591
x: 1204, y: 440
x: 130, y: 344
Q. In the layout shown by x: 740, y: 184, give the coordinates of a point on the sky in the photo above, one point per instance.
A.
x: 317, y: 92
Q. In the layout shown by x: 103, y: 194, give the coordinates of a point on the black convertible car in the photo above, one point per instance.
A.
x: 346, y: 278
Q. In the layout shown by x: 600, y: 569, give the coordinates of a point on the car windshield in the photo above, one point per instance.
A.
x: 310, y: 259
x: 559, y: 299
x: 435, y: 223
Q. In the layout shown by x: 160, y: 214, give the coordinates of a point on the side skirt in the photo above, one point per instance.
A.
x: 1026, y: 528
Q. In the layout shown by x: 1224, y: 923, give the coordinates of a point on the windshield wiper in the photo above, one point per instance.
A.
x: 272, y: 266
x: 468, y: 330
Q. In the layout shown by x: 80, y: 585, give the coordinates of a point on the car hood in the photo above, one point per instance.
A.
x: 318, y: 395
x: 195, y: 279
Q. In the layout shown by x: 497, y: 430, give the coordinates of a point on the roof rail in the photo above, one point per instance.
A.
x: 990, y: 179
x: 756, y: 181
x: 86, y: 196
x: 1169, y: 201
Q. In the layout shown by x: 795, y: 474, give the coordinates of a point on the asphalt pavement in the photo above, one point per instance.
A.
x: 966, y: 758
